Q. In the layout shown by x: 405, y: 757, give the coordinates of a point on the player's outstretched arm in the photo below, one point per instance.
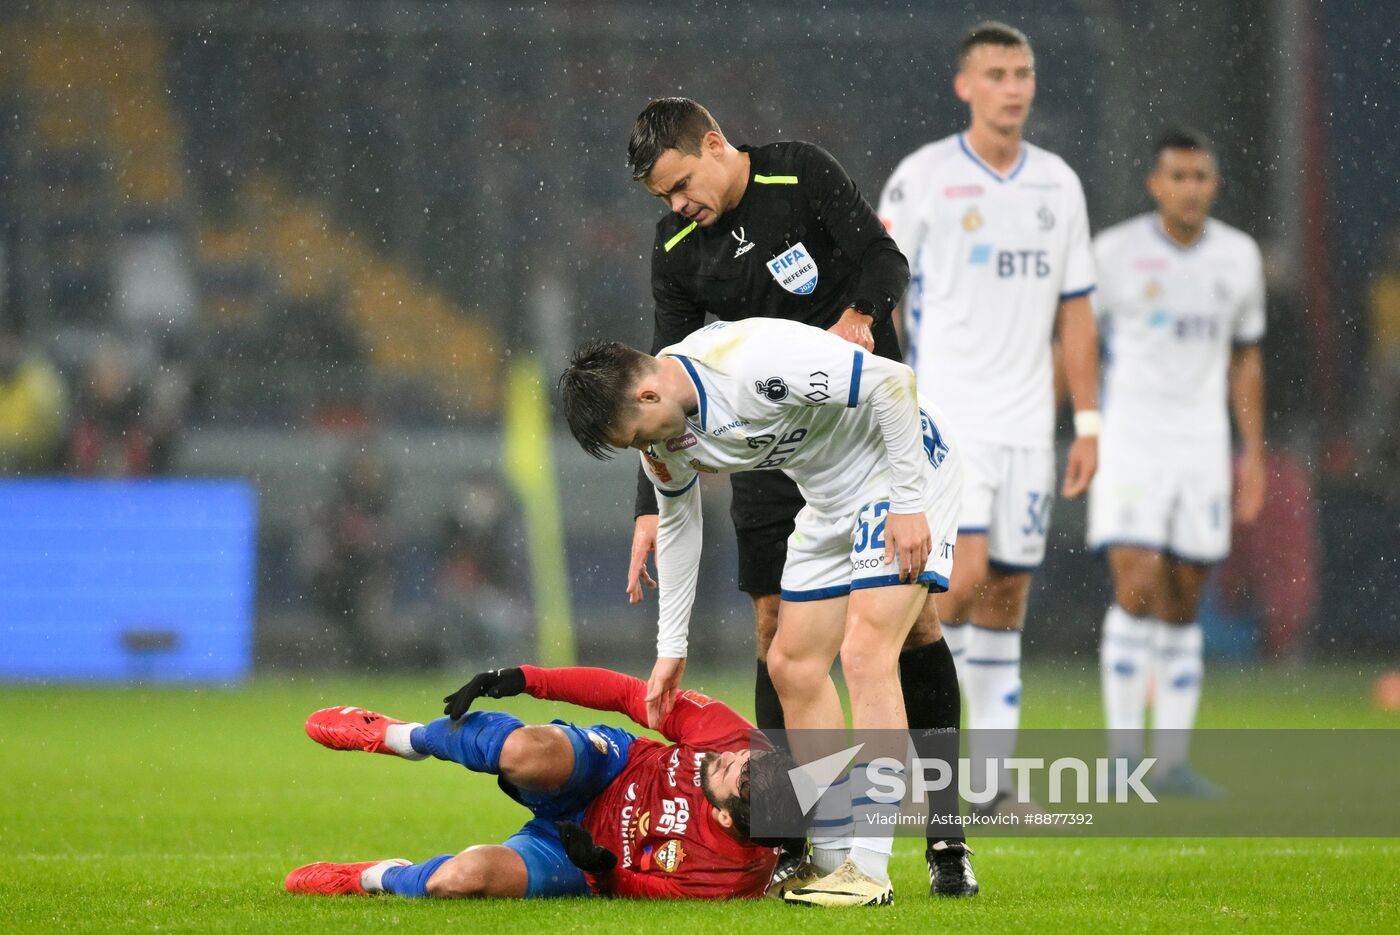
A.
x: 695, y: 719
x: 587, y: 687
x: 679, y: 536
x: 893, y: 395
x: 817, y: 369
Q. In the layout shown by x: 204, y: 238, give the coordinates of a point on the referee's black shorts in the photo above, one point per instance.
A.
x: 763, y: 509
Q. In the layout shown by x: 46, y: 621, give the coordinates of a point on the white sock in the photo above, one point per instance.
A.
x: 875, y: 816
x: 1125, y: 660
x: 1177, y: 690
x: 832, y: 826
x: 955, y: 635
x: 372, y: 878
x: 396, y: 738
x: 871, y: 855
x: 993, y: 689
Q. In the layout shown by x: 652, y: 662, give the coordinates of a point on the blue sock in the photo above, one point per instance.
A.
x: 475, y: 741
x: 412, y: 881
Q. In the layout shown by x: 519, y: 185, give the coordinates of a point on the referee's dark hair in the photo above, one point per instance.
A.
x: 596, y: 391
x: 667, y: 123
x: 1183, y: 138
x: 991, y: 32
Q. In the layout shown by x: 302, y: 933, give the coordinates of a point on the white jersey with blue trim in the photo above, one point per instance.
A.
x: 992, y: 257
x: 845, y: 425
x: 1169, y: 316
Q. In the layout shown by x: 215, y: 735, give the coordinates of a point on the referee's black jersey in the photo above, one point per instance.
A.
x: 798, y: 198
x: 802, y: 244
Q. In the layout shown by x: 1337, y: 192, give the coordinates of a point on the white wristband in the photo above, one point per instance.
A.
x: 1087, y: 423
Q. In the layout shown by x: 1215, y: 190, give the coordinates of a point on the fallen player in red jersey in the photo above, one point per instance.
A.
x: 615, y: 814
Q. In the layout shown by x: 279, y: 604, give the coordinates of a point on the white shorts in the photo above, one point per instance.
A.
x: 1009, y: 494
x: 832, y: 555
x: 1180, y: 508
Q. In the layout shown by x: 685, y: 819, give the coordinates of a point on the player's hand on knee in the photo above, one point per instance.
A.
x: 582, y: 852
x: 1083, y: 462
x: 643, y: 545
x: 495, y: 683
x: 661, y: 689
x: 907, y: 538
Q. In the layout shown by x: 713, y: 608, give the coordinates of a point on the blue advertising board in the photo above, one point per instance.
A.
x: 145, y: 580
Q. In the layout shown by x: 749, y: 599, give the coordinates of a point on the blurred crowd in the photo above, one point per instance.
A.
x: 455, y: 595
x: 108, y: 411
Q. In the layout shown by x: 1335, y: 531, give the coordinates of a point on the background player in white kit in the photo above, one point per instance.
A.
x: 1181, y: 302
x: 997, y: 236
x: 882, y: 487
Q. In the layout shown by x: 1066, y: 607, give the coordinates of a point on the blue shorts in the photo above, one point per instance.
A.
x: 599, y: 755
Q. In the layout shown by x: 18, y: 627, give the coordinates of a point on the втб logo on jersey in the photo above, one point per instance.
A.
x: 774, y: 388
x: 744, y: 245
x: 1033, y: 264
x: 794, y: 270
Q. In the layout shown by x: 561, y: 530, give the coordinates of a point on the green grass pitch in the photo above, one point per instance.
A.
x: 182, y: 810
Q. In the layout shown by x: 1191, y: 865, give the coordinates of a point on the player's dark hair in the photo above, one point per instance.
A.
x: 595, y: 390
x: 991, y: 32
x: 764, y: 778
x: 1183, y: 138
x: 667, y: 123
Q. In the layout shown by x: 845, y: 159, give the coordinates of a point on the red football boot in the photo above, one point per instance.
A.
x: 350, y: 729
x: 331, y: 879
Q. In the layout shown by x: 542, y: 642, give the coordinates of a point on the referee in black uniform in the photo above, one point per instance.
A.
x: 732, y: 213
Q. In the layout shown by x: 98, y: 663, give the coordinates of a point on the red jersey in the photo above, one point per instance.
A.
x: 654, y: 816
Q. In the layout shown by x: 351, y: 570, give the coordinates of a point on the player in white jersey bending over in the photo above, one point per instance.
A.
x: 882, y: 484
x: 1181, y: 303
x: 997, y: 237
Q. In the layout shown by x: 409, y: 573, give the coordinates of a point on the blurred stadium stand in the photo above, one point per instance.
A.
x: 320, y: 226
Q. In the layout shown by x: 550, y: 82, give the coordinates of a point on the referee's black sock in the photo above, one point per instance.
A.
x: 768, y: 709
x: 930, y: 680
x: 933, y: 704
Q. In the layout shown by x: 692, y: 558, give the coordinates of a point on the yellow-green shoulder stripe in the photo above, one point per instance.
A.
x: 775, y: 179
x: 681, y: 236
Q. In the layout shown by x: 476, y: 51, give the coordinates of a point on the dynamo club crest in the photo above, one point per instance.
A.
x: 794, y: 270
